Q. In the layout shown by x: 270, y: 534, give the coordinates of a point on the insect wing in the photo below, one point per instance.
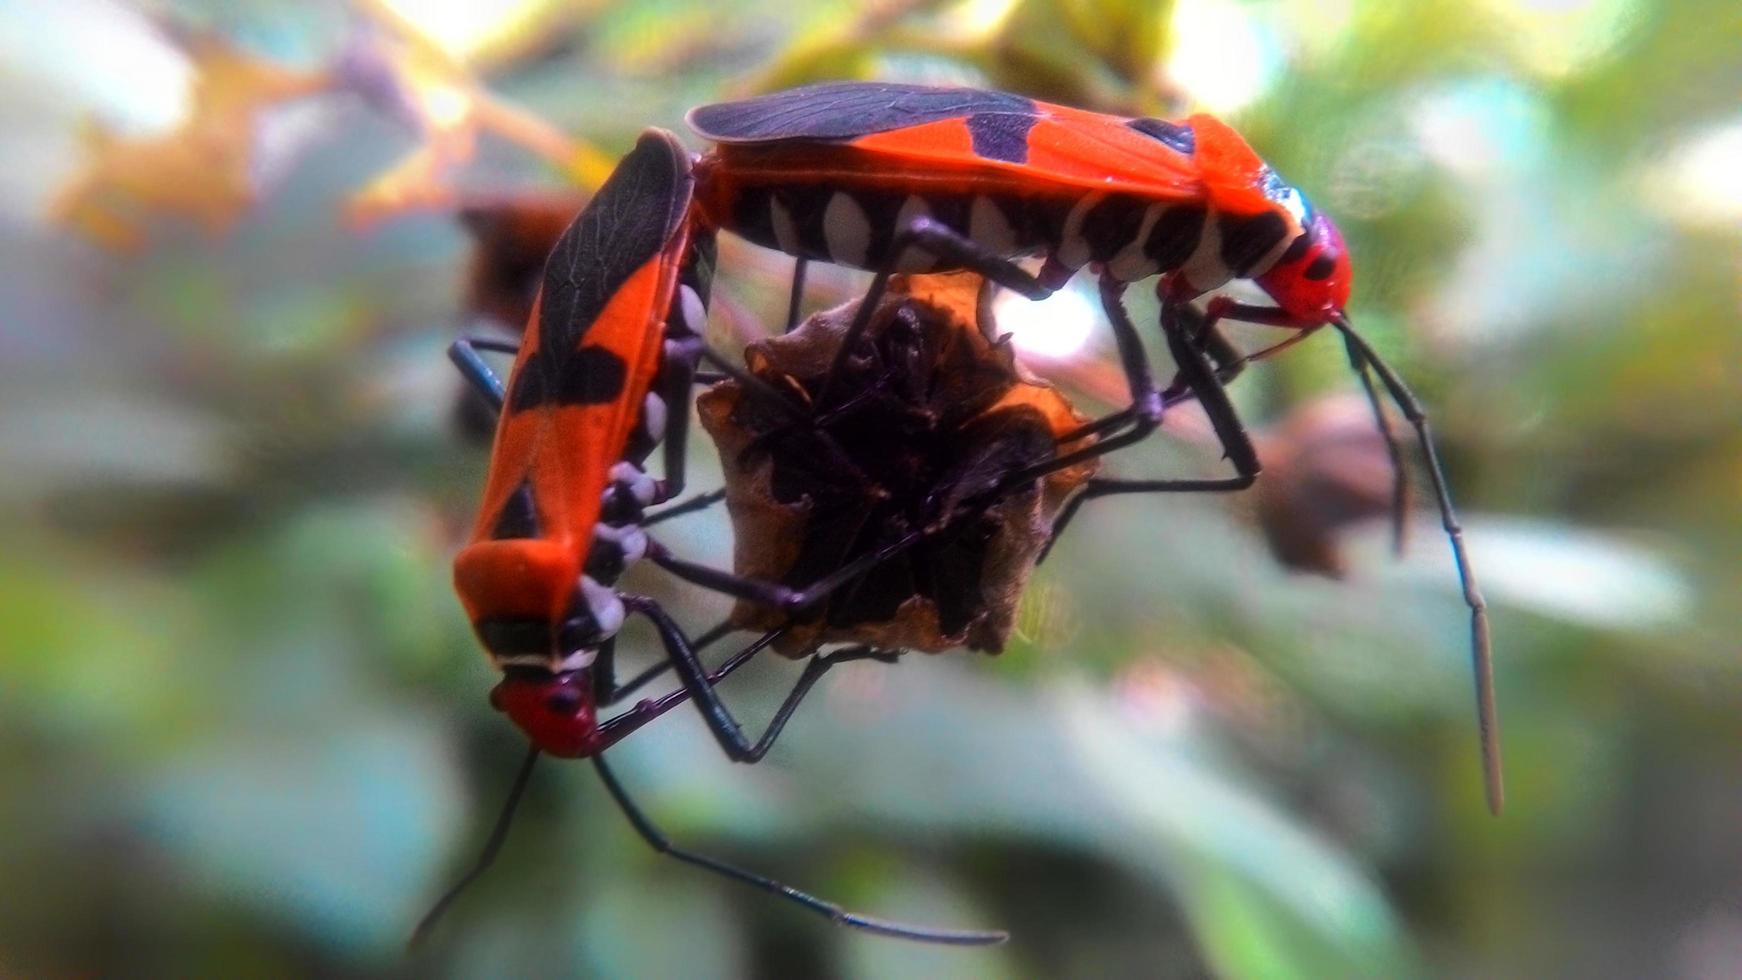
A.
x: 593, y: 345
x: 1012, y: 143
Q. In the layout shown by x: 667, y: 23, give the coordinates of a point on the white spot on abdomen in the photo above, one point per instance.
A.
x: 1133, y: 263
x: 695, y: 314
x: 1073, y: 250
x: 653, y: 416
x: 605, y: 605
x: 1204, y: 271
x: 846, y: 230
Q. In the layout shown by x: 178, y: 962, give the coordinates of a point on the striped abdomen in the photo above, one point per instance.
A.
x: 856, y: 223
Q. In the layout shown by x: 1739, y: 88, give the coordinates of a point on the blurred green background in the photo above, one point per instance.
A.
x: 243, y: 727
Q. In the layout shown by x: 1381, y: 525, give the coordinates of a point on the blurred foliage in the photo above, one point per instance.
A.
x: 242, y: 719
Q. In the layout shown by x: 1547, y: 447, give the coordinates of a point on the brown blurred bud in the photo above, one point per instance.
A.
x: 511, y: 236
x: 1326, y: 469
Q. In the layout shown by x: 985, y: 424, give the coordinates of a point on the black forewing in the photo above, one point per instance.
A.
x: 845, y: 110
x: 626, y: 225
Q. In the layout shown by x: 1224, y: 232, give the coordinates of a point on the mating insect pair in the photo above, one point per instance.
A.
x: 613, y: 347
x: 890, y: 178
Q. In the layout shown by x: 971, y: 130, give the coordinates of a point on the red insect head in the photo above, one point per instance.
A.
x: 556, y: 711
x: 1314, y: 285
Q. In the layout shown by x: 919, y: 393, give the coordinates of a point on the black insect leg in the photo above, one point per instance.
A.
x: 701, y: 501
x: 609, y: 692
x: 700, y: 684
x: 796, y: 297
x: 1144, y: 414
x: 657, y: 839
x: 1200, y: 377
x: 953, y: 251
x: 1230, y: 365
x: 773, y: 594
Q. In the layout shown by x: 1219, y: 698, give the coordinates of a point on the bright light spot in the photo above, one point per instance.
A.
x: 1556, y: 38
x: 1481, y: 128
x: 1698, y: 183
x: 1221, y: 56
x: 444, y: 106
x: 107, y: 56
x: 1318, y: 26
x: 461, y: 27
x: 1055, y: 328
x: 975, y: 18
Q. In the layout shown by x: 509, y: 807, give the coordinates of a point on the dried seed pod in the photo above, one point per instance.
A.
x: 926, y: 424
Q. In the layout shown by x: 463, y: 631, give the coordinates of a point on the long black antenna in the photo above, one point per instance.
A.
x: 1481, y: 651
x: 492, y: 847
x: 1399, y: 472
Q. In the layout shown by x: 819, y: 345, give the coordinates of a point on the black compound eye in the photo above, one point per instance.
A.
x: 1321, y: 268
x: 563, y: 701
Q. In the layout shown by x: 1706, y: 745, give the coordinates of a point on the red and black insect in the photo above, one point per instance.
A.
x: 892, y: 177
x: 611, y: 348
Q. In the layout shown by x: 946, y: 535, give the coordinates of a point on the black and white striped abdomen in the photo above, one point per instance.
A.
x: 1130, y: 237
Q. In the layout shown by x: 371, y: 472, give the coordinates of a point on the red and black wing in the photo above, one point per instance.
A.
x: 845, y: 111
x: 593, y: 345
x: 1009, y: 142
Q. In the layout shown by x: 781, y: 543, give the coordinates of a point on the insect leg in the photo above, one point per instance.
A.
x: 1222, y: 308
x: 773, y: 594
x: 701, y: 501
x: 1144, y: 414
x: 1199, y: 376
x: 796, y: 297
x: 700, y: 685
x: 465, y: 357
x: 611, y: 692
x: 829, y: 910
x: 955, y: 251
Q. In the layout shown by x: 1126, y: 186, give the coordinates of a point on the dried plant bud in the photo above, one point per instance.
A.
x: 922, y: 428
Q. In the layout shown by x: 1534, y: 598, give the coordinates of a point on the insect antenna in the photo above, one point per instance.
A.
x: 492, y: 847
x: 1399, y: 472
x: 1481, y: 652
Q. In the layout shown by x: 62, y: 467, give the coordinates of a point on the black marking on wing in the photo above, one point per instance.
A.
x: 1320, y: 268
x: 589, y: 376
x: 626, y: 225
x: 845, y: 111
x: 519, y: 517
x: 1176, y: 136
x: 1001, y: 135
x: 1246, y: 239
